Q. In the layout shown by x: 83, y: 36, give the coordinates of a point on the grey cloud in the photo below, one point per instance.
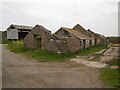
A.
x: 56, y: 13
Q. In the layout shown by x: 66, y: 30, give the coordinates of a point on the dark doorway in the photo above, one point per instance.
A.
x: 38, y: 39
x: 84, y: 44
x: 22, y: 35
x: 80, y: 44
x: 90, y: 43
x: 95, y: 41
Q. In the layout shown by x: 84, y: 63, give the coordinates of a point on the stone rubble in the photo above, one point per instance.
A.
x: 108, y: 55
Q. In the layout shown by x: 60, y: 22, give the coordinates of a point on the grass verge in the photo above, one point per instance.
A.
x: 18, y: 47
x: 111, y: 77
x: 5, y: 42
x: 90, y: 50
x: 96, y: 57
x: 114, y: 62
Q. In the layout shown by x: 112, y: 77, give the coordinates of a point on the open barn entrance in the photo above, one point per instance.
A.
x: 38, y: 39
x: 22, y: 33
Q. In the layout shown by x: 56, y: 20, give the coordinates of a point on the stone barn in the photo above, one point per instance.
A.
x: 95, y: 37
x: 85, y: 32
x: 98, y: 38
x: 42, y: 38
x: 17, y: 32
x: 64, y: 40
x: 77, y: 40
x: 103, y: 40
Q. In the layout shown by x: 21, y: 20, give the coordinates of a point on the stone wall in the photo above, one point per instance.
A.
x: 48, y: 41
x: 87, y: 43
x: 60, y: 42
x: 72, y: 42
x: 29, y: 41
x: 3, y: 36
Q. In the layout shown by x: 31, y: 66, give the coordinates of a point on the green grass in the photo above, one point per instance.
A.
x: 5, y: 42
x: 18, y: 47
x: 111, y: 77
x: 96, y: 57
x: 114, y: 62
x: 90, y: 50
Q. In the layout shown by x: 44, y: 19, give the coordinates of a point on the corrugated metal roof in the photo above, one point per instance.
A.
x: 21, y: 27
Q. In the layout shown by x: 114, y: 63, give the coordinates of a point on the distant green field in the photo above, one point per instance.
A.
x: 114, y: 40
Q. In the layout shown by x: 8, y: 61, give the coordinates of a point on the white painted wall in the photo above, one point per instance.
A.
x: 12, y: 34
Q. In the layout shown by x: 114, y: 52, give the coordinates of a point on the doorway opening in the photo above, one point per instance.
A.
x: 80, y: 44
x: 90, y: 43
x: 84, y: 44
x: 38, y: 40
x: 95, y: 41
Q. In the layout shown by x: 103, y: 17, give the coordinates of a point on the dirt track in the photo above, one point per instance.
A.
x: 20, y: 72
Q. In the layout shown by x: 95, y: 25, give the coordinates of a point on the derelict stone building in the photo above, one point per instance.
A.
x: 95, y: 39
x: 91, y: 41
x: 98, y: 38
x: 42, y: 38
x: 17, y: 32
x: 63, y: 40
x: 77, y: 40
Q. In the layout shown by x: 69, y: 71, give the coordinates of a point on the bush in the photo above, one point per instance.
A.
x: 16, y: 46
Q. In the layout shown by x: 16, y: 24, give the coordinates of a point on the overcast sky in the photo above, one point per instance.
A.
x: 101, y: 16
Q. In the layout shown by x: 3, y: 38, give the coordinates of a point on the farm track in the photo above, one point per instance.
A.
x: 21, y: 72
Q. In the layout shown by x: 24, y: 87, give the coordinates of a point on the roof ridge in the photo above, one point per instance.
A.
x: 21, y: 25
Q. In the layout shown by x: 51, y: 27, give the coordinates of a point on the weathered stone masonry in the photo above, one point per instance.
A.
x: 64, y: 40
